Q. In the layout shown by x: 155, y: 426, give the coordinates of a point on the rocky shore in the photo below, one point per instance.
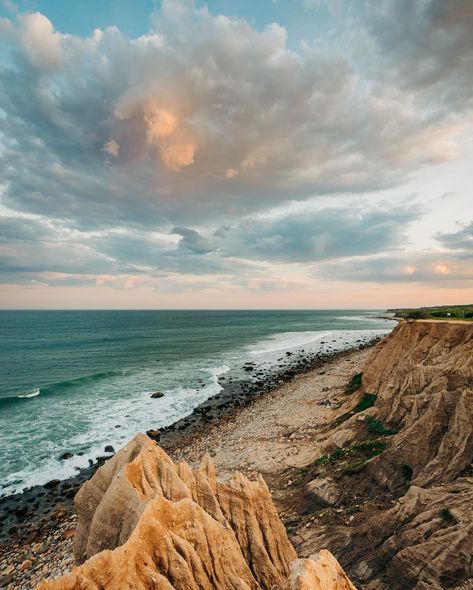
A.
x: 36, y: 526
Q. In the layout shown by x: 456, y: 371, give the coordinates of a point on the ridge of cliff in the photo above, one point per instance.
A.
x: 146, y: 523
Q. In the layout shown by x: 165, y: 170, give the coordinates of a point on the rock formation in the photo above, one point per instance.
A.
x: 422, y: 377
x: 146, y: 523
x: 320, y: 572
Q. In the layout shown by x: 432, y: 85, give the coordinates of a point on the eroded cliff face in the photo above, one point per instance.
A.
x: 146, y: 523
x: 422, y: 375
x: 423, y: 378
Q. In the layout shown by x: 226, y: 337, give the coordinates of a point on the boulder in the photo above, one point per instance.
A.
x: 324, y: 492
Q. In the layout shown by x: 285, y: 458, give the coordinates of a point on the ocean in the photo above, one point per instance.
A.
x: 75, y: 381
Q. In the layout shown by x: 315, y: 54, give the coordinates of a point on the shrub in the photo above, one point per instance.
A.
x: 372, y: 448
x: 354, y: 384
x: 377, y: 427
x: 366, y: 402
x: 417, y: 314
x: 335, y: 456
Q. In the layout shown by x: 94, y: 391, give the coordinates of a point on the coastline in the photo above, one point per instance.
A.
x: 47, y: 513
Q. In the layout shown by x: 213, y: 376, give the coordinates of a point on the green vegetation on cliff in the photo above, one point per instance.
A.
x: 451, y: 312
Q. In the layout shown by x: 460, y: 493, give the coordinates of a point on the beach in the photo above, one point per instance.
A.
x: 269, y: 433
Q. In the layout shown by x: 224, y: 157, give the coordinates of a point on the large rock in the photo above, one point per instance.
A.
x: 324, y: 491
x: 146, y: 523
x: 319, y: 572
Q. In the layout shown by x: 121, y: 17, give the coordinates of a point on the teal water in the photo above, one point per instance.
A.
x: 95, y: 371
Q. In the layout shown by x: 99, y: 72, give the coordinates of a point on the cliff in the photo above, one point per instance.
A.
x: 145, y: 523
x: 419, y: 428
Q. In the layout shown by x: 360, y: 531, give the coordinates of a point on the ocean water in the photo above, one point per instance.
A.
x: 75, y: 381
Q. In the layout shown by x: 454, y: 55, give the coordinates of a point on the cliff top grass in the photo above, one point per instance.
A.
x: 443, y: 312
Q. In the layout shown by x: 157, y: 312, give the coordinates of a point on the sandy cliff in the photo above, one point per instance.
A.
x: 422, y: 377
x: 145, y: 523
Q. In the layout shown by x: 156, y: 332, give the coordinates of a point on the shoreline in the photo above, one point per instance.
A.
x: 31, y: 517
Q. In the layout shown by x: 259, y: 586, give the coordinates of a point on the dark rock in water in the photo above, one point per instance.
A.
x: 66, y: 456
x: 249, y: 368
x: 52, y: 484
x: 21, y: 511
x: 109, y: 449
x: 157, y: 394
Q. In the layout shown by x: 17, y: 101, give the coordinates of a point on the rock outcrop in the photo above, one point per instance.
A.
x: 320, y: 572
x: 422, y: 377
x: 146, y: 523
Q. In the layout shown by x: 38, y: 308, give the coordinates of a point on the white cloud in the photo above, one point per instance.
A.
x: 206, y: 121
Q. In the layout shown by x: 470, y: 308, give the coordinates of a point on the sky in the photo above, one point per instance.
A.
x: 272, y: 154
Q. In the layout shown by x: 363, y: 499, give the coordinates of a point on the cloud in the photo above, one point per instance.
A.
x: 37, y: 40
x: 10, y: 6
x: 460, y: 241
x: 313, y: 234
x: 426, y: 49
x: 433, y: 269
x: 202, y: 115
x: 29, y: 248
x: 47, y: 251
x: 208, y: 151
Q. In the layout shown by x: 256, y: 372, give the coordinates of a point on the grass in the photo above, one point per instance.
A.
x: 332, y: 457
x: 354, y: 384
x: 366, y: 402
x: 371, y: 447
x: 442, y: 312
x: 359, y: 454
x: 374, y: 426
